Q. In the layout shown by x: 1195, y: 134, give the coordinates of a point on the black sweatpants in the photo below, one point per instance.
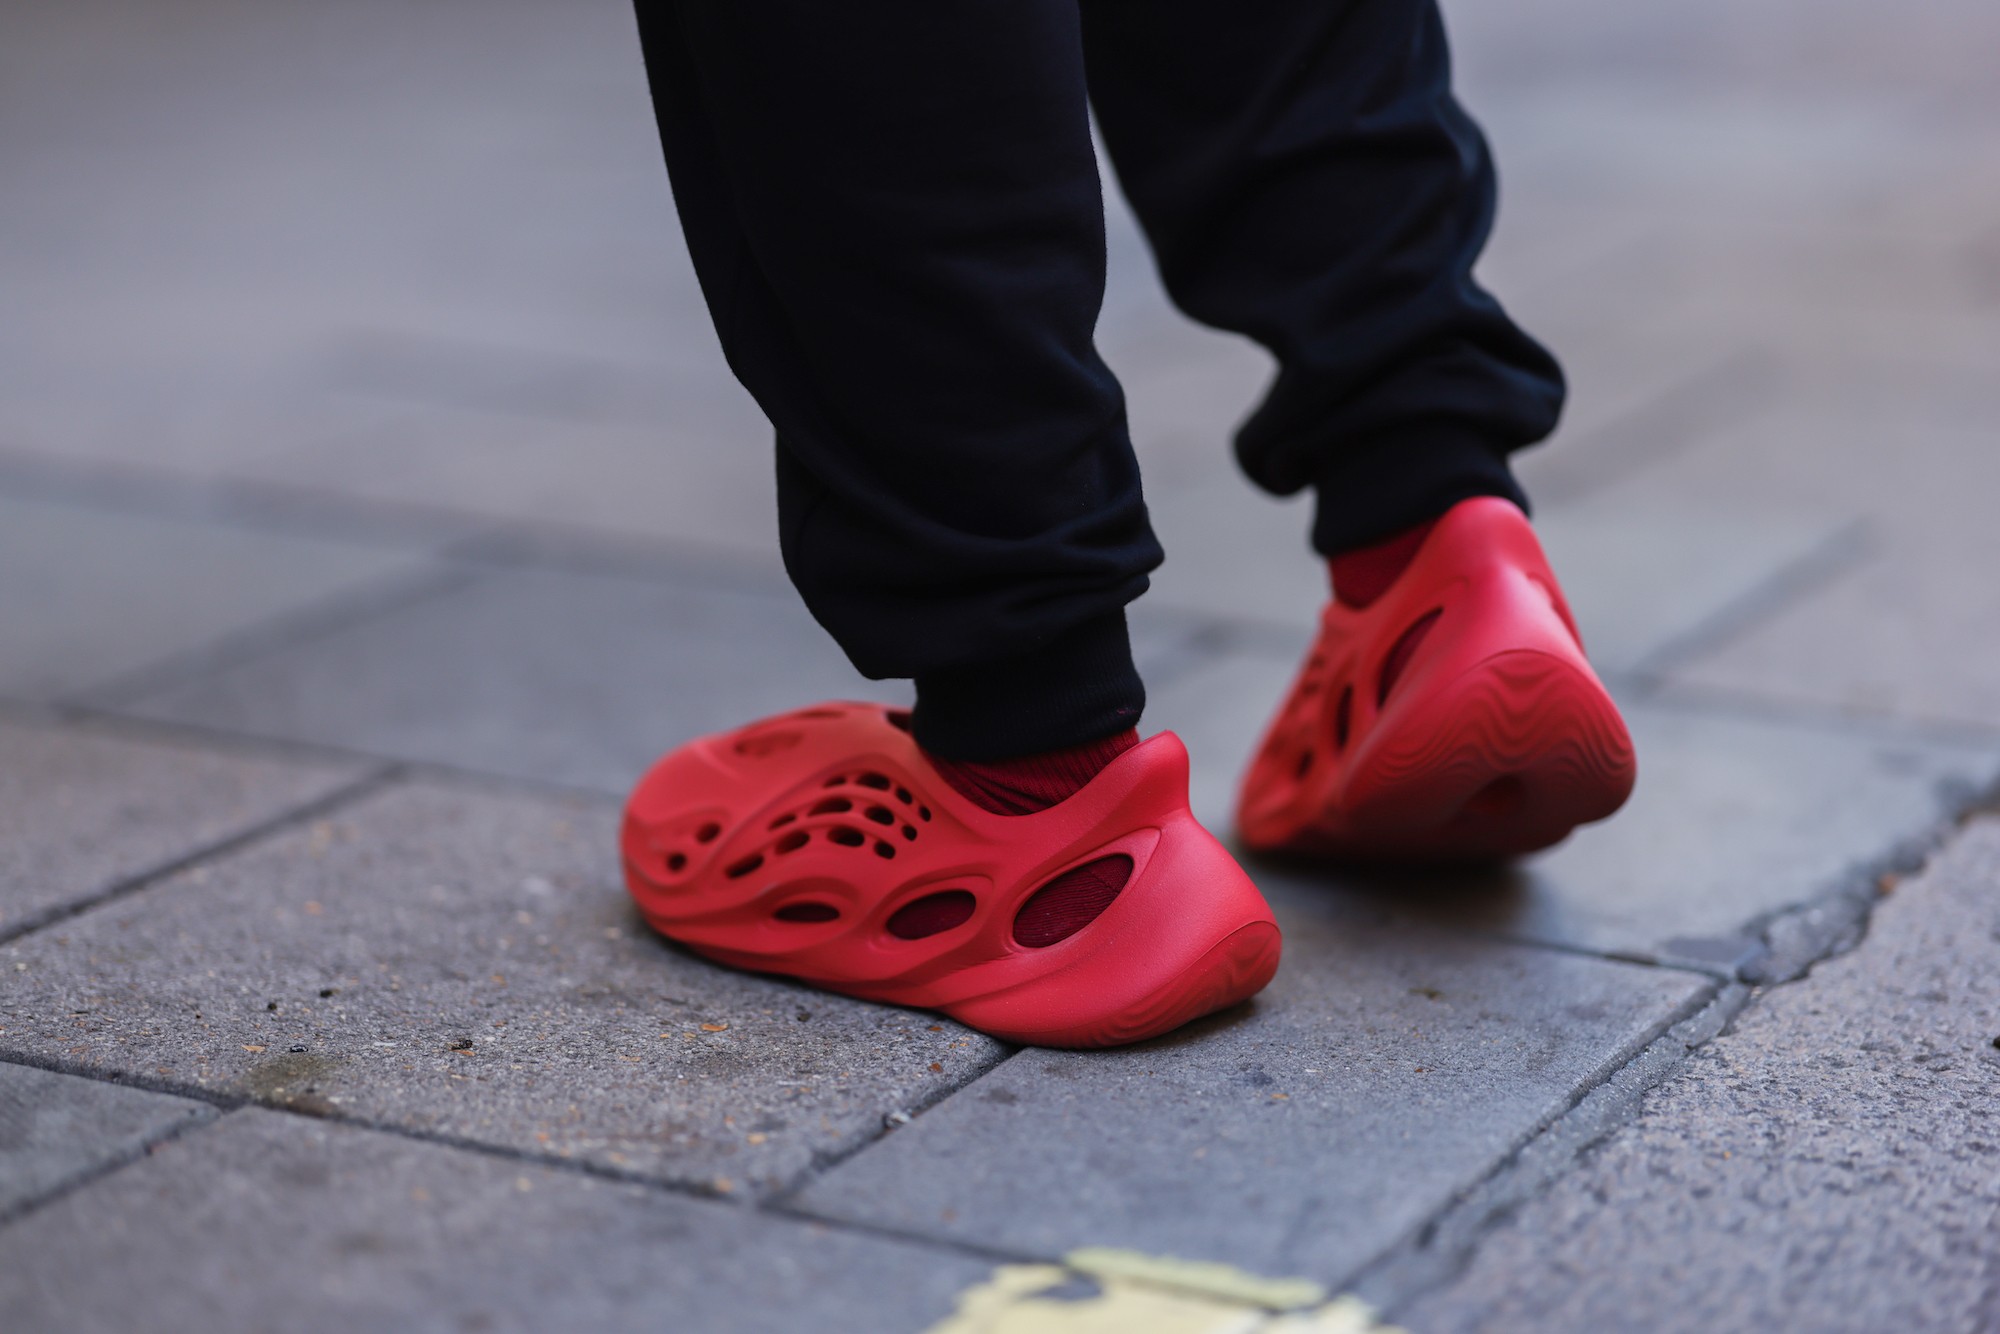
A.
x: 894, y: 210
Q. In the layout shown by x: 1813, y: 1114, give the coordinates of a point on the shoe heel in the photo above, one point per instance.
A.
x: 1191, y: 936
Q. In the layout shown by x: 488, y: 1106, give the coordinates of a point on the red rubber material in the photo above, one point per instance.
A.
x: 1494, y: 739
x: 789, y: 845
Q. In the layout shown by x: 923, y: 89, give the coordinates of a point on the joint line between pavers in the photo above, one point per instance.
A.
x: 290, y: 628
x: 826, y: 1160
x: 1726, y: 391
x: 344, y: 795
x: 433, y: 771
x: 219, y: 1103
x: 1849, y: 907
x: 264, y: 505
x: 1834, y: 555
x: 1691, y: 967
x: 576, y: 549
x: 198, y: 1118
x: 1439, y: 1249
x: 1871, y: 722
x: 987, y: 1252
x: 1429, y: 1254
x: 254, y: 504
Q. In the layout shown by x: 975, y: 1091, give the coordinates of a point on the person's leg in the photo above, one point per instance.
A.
x: 895, y: 214
x: 1306, y: 178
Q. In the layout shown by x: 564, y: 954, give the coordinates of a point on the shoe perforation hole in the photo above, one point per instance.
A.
x: 738, y: 869
x: 1305, y: 763
x: 784, y: 820
x: 886, y: 851
x: 847, y: 837
x: 1404, y: 650
x: 807, y: 912
x: 1343, y: 718
x: 910, y: 832
x: 677, y: 861
x: 903, y: 795
x: 793, y: 841
x: 831, y: 806
x: 880, y: 782
x: 880, y: 814
x: 835, y: 781
x: 708, y: 832
x: 932, y: 914
x: 923, y: 813
x: 1071, y: 901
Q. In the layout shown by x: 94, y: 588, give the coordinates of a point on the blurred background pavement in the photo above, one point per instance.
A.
x: 375, y: 503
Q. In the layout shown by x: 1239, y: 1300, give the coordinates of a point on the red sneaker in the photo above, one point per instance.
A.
x: 822, y: 845
x: 1454, y: 718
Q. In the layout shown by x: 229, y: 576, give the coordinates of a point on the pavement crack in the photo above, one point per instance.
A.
x: 1438, y: 1249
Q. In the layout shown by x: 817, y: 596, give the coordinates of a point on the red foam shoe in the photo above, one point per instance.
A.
x: 1454, y: 718
x: 822, y: 845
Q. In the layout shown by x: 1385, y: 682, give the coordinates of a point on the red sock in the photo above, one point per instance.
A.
x: 1033, y: 782
x: 1364, y: 574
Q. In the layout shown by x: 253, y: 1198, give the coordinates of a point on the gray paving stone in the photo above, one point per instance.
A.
x: 82, y: 809
x: 552, y: 675
x: 696, y: 470
x: 1734, y: 819
x: 468, y: 965
x: 88, y: 594
x: 1640, y: 572
x: 1831, y: 1163
x: 1387, y: 1067
x: 1904, y: 630
x: 55, y: 1129
x: 266, y: 1221
x: 1931, y: 615
x: 271, y: 210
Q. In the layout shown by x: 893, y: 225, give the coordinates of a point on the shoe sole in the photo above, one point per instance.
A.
x: 1505, y: 759
x: 1231, y: 972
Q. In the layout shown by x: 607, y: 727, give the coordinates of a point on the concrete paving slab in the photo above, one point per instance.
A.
x: 1734, y: 818
x: 467, y: 965
x: 1830, y: 1163
x: 1387, y: 1067
x: 293, y: 189
x: 1904, y: 626
x: 56, y: 1129
x: 696, y: 470
x: 88, y: 595
x: 1932, y: 617
x: 1640, y: 572
x: 1642, y: 575
x: 565, y: 676
x: 551, y: 675
x: 273, y: 1221
x: 82, y: 809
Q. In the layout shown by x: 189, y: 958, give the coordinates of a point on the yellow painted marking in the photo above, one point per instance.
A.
x: 1144, y: 1294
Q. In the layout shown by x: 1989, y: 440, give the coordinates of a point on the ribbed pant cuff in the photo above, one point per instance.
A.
x: 1372, y: 493
x: 1078, y: 687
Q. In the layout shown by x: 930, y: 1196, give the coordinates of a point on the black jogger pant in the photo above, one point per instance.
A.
x: 894, y: 210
